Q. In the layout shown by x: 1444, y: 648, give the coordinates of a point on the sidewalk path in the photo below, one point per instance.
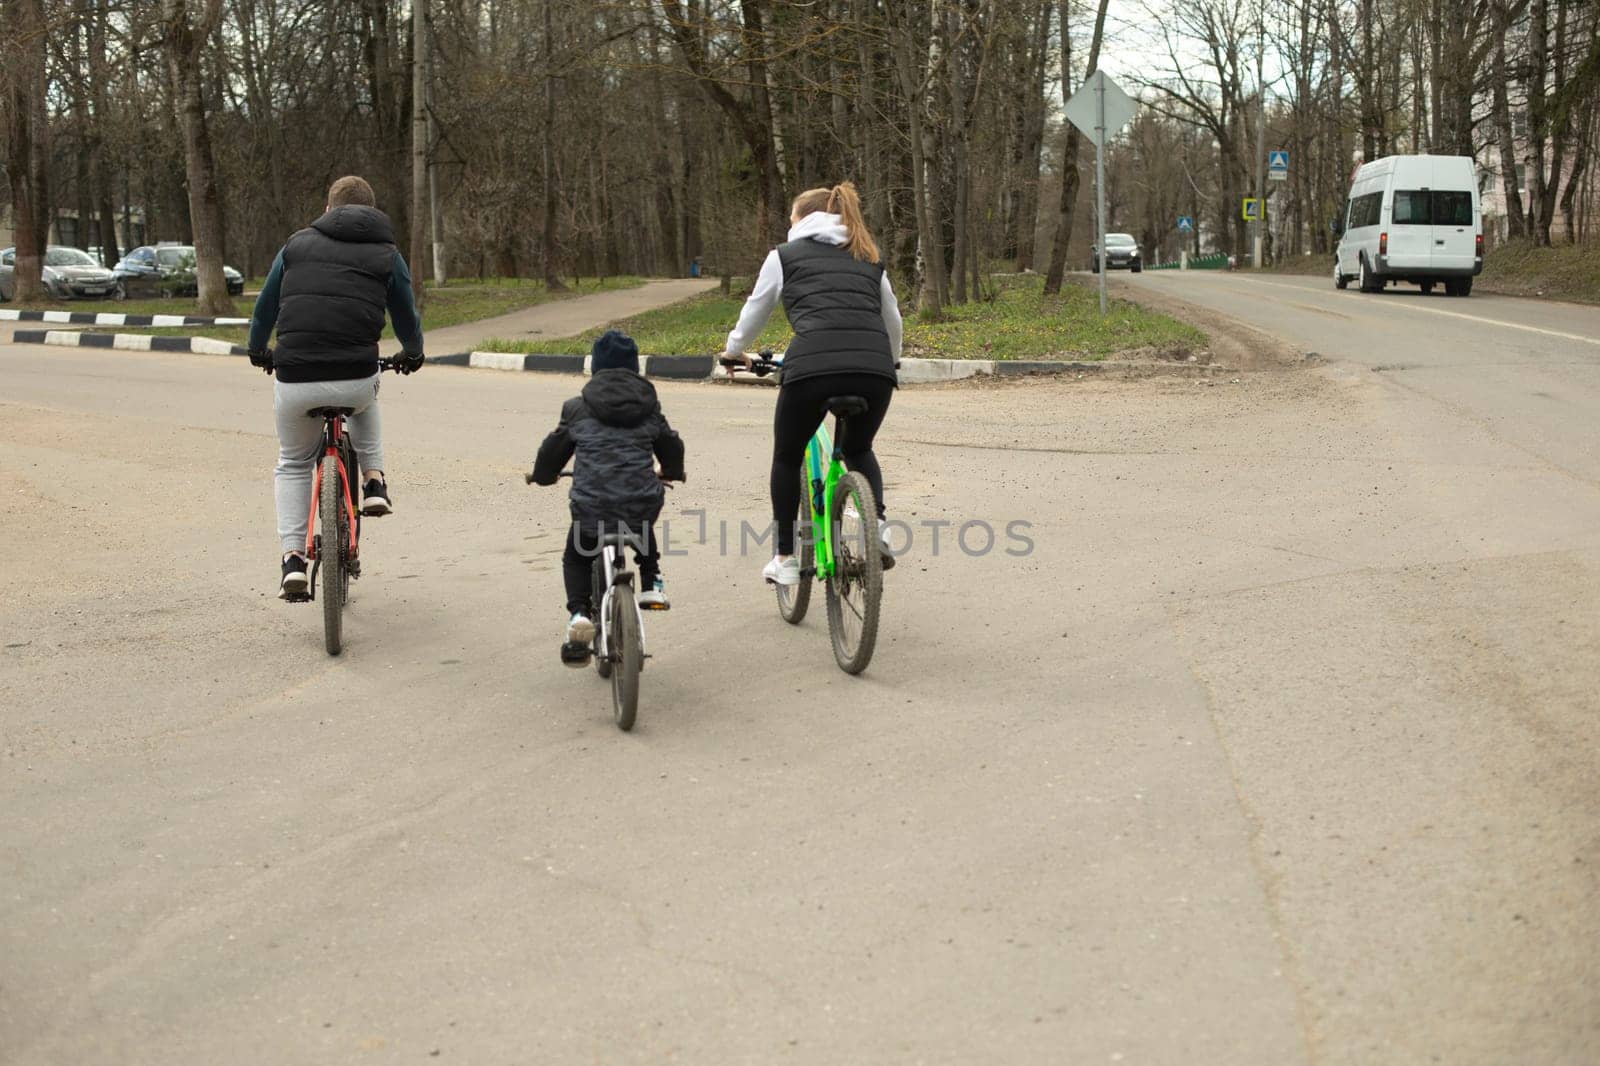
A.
x: 561, y: 318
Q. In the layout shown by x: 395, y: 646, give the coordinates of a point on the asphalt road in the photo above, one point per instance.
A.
x: 1278, y: 748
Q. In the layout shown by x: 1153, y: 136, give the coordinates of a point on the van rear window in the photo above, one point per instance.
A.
x: 1411, y: 208
x: 1419, y: 207
x: 1452, y: 209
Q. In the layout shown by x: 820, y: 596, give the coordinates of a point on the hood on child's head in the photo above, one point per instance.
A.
x: 620, y: 397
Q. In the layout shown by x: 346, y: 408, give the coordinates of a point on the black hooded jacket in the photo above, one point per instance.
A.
x: 617, y: 430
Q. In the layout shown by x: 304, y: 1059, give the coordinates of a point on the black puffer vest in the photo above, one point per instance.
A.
x: 835, y: 306
x: 334, y: 295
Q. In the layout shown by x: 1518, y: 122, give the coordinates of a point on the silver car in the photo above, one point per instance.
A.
x: 69, y: 274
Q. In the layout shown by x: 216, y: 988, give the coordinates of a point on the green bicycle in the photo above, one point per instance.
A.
x: 841, y: 541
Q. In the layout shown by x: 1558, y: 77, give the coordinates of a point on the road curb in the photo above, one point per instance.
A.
x: 661, y: 367
x: 673, y: 367
x: 111, y: 318
x: 128, y: 342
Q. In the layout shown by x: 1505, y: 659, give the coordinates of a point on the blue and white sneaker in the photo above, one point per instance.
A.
x: 654, y: 598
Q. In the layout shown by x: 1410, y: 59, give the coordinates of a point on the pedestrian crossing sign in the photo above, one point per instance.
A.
x: 1252, y: 209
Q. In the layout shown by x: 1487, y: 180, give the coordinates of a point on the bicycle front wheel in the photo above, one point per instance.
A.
x: 625, y: 640
x: 793, y: 600
x: 597, y: 586
x: 856, y: 587
x: 331, y: 549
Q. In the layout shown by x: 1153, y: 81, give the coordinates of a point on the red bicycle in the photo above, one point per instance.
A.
x: 333, y: 529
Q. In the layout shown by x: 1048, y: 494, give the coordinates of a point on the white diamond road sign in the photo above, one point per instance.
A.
x: 1084, y: 106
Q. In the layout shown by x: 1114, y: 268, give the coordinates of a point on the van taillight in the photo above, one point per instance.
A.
x: 1383, y: 244
x: 1477, y: 246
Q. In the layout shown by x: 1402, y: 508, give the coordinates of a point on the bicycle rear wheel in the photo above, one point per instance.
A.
x: 793, y: 600
x: 856, y: 587
x: 331, y: 555
x: 623, y: 636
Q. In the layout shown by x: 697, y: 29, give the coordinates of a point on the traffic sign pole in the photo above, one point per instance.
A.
x: 1099, y: 108
x: 1100, y: 184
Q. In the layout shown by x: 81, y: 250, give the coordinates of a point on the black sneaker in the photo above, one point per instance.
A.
x: 295, y: 584
x: 375, y: 499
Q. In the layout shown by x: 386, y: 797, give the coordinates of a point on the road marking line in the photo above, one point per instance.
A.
x: 1451, y: 314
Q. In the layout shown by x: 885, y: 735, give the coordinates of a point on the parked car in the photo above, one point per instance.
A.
x: 1412, y: 218
x: 166, y: 270
x: 69, y: 274
x: 1121, y: 251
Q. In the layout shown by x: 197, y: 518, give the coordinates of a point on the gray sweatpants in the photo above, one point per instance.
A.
x: 300, y: 435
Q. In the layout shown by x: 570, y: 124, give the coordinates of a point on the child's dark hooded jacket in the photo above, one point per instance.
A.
x: 618, y: 431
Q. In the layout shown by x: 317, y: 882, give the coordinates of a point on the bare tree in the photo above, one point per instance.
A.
x: 186, y: 44
x: 1072, y: 142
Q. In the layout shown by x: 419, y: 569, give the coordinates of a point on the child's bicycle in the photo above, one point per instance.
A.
x: 618, y: 647
x: 841, y: 542
x: 333, y: 529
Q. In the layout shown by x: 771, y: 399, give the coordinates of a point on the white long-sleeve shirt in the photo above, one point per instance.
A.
x: 822, y: 226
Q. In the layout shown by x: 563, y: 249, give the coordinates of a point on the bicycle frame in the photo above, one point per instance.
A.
x: 611, y: 555
x: 823, y: 482
x: 332, y: 436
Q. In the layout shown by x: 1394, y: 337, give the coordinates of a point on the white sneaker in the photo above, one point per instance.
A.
x: 785, y: 572
x: 580, y: 630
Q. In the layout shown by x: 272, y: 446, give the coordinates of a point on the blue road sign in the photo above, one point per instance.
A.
x: 1278, y: 164
x: 1185, y: 224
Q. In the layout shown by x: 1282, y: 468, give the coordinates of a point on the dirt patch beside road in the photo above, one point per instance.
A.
x: 1232, y: 342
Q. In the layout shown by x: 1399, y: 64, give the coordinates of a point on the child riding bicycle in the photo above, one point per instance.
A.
x: 617, y: 432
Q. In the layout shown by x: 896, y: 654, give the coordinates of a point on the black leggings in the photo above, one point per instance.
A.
x: 801, y: 408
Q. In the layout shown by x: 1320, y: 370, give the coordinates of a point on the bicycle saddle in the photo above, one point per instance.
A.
x: 618, y: 540
x: 845, y: 406
x: 329, y: 412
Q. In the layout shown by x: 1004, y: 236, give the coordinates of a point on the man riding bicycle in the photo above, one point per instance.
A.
x: 327, y: 293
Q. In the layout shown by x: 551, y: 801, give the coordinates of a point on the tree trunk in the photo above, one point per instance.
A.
x: 547, y: 163
x: 931, y: 254
x: 1070, y: 177
x: 186, y: 44
x: 1516, y: 224
x: 1032, y: 147
x: 99, y: 71
x: 23, y: 46
x: 419, y: 147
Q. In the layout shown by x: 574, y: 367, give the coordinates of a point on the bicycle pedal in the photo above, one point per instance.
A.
x: 655, y: 606
x: 298, y: 598
x: 575, y: 654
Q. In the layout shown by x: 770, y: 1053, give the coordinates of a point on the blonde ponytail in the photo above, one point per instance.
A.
x: 844, y: 201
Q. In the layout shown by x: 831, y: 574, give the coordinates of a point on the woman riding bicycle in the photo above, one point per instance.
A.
x: 846, y: 342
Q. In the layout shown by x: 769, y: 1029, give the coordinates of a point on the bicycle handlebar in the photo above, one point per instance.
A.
x: 527, y: 479
x: 763, y: 365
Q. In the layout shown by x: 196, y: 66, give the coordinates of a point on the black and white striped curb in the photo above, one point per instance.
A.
x: 666, y: 367
x: 128, y: 342
x: 112, y: 318
x: 674, y: 367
